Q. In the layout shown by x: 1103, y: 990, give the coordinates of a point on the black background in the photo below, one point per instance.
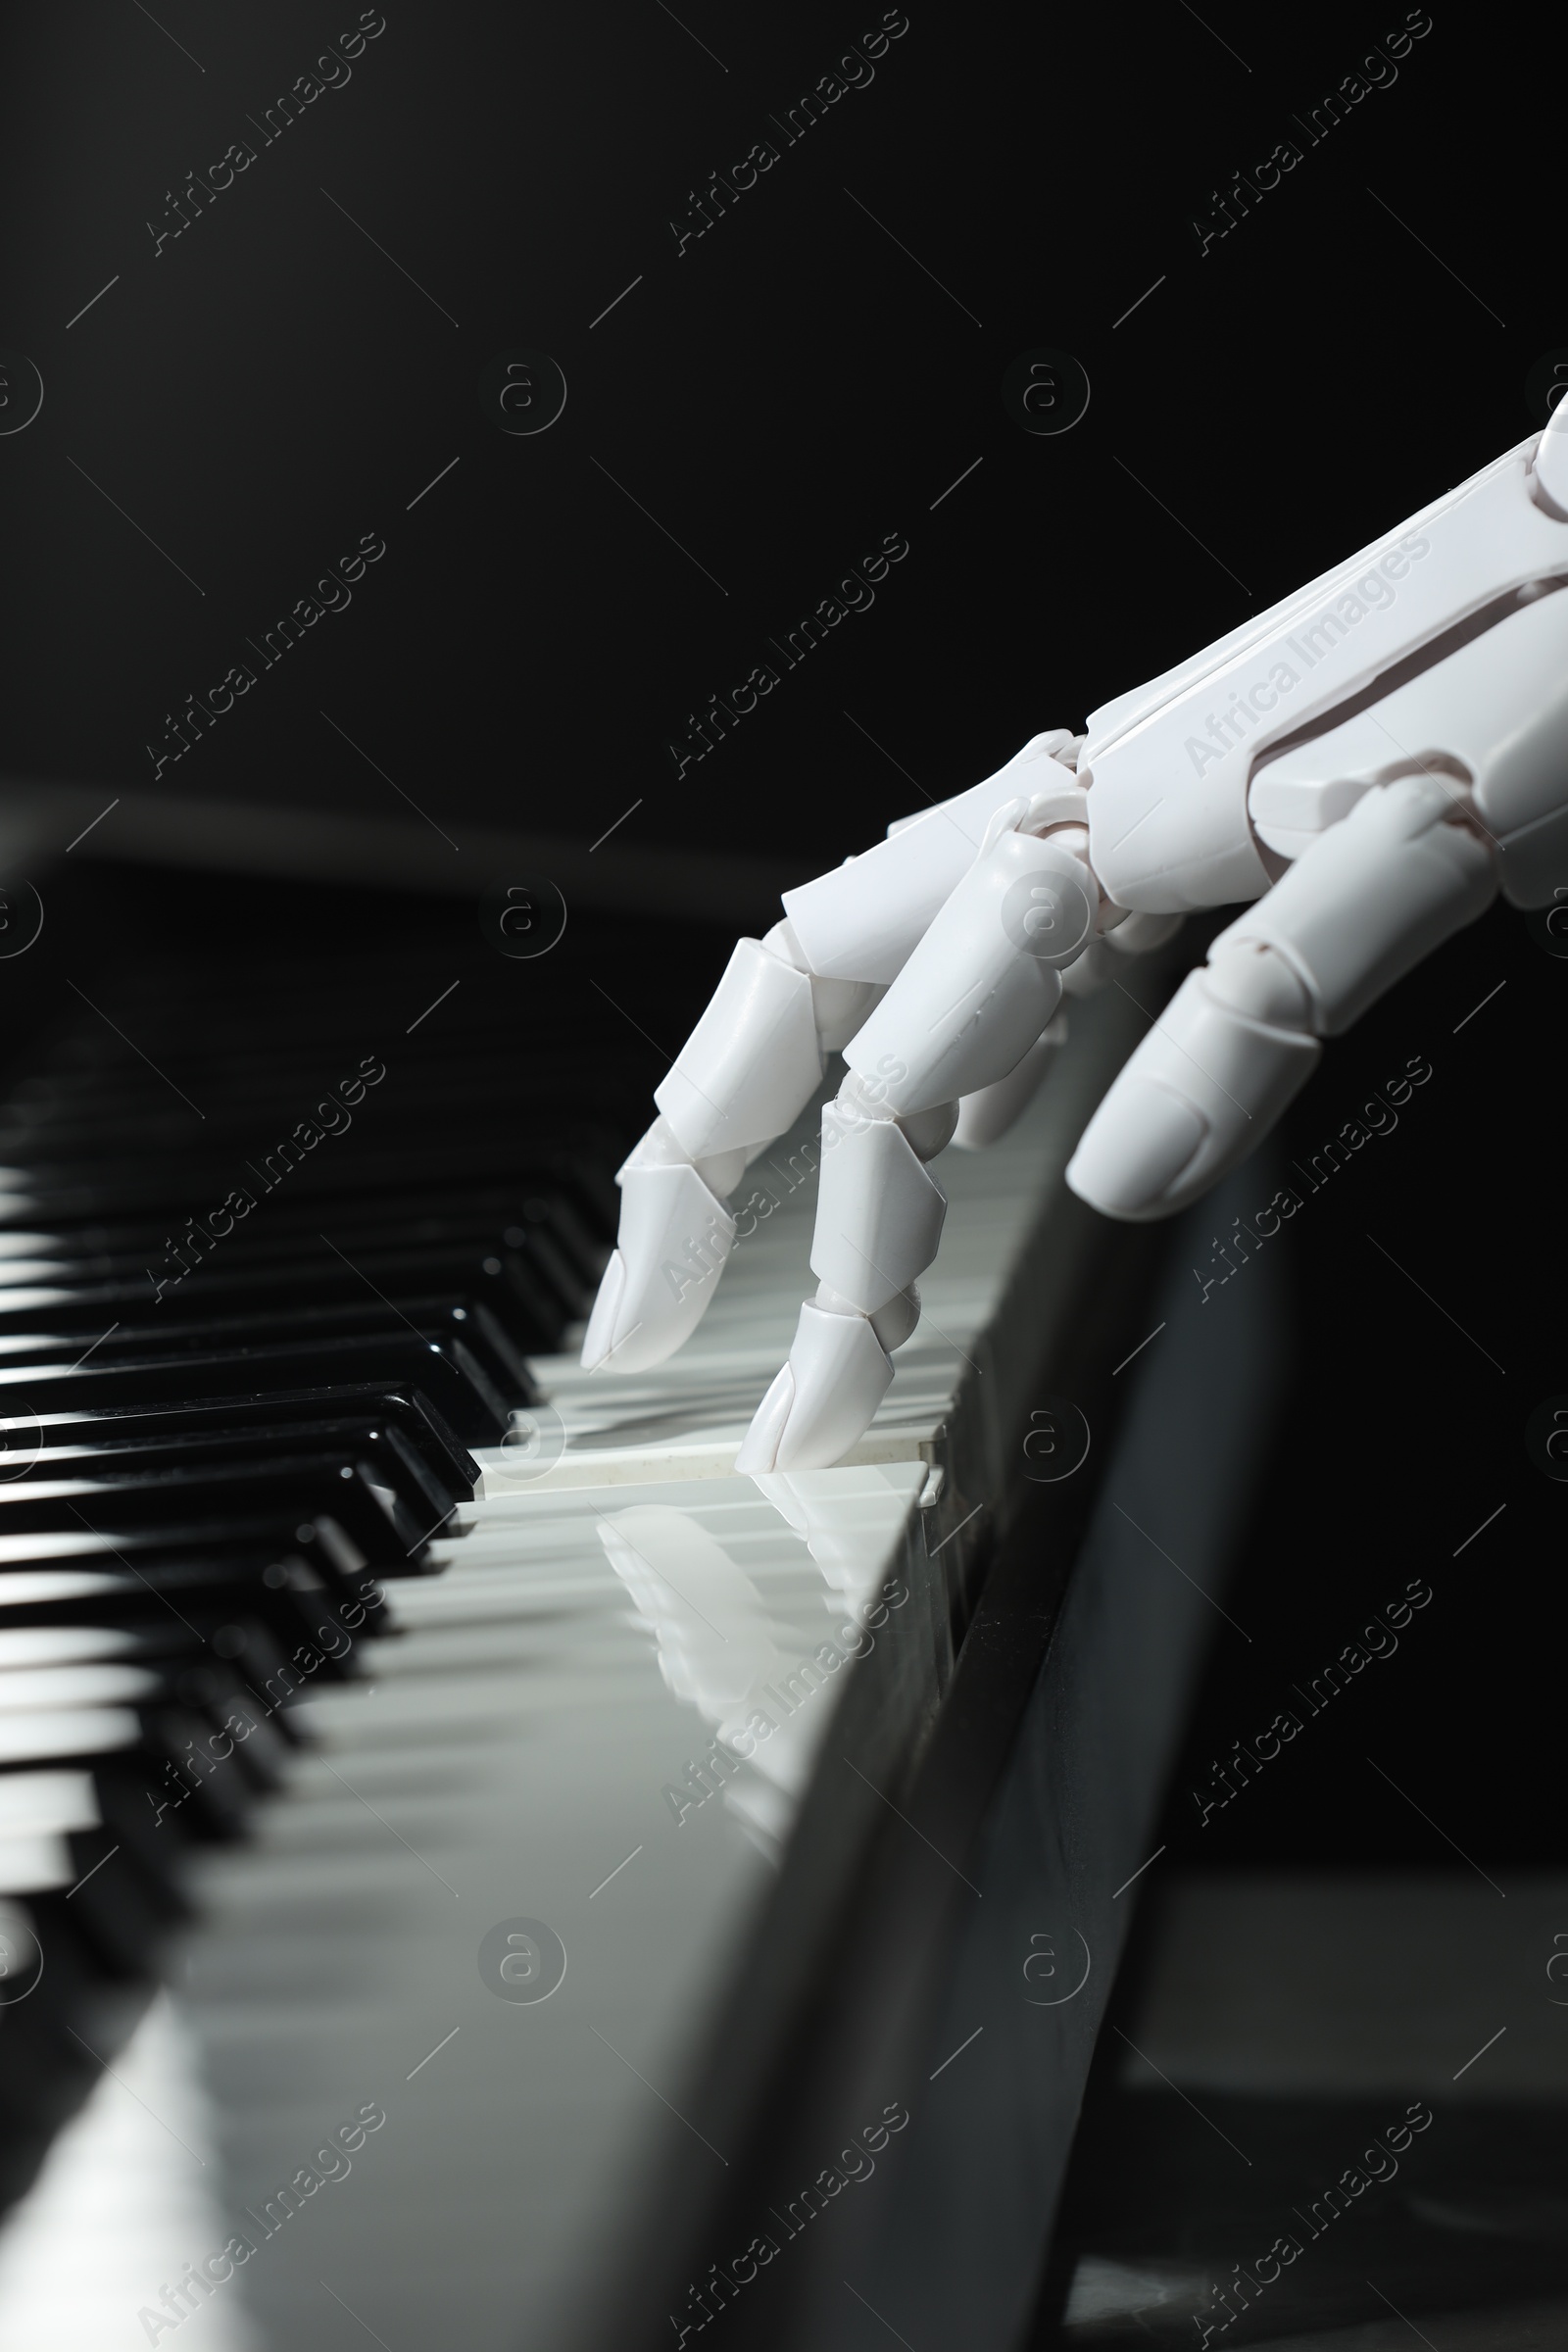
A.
x: 779, y: 396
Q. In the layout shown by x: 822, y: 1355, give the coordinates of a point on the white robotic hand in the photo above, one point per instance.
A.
x: 1367, y: 765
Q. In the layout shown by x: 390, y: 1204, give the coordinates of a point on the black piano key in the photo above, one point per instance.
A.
x: 55, y: 2037
x: 209, y: 1421
x: 193, y: 1766
x: 263, y: 1645
x: 118, y: 1506
x: 240, y: 1603
x: 216, y: 1665
x: 122, y: 1912
x: 303, y: 1320
x: 311, y: 1197
x: 213, y: 1787
x: 361, y: 1541
x: 380, y: 1445
x: 245, y: 1304
x: 520, y: 1272
x: 459, y: 1386
x: 182, y: 1665
x: 152, y: 1845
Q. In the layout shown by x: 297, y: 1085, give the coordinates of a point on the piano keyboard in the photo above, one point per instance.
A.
x: 433, y: 1720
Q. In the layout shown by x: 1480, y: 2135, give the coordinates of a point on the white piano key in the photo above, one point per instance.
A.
x: 26, y: 1688
x: 26, y: 1588
x: 74, y: 1732
x: 36, y: 1865
x: 35, y: 1801
x: 129, y: 2195
x: 60, y: 1645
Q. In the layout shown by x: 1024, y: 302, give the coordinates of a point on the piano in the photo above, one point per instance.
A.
x: 471, y: 1868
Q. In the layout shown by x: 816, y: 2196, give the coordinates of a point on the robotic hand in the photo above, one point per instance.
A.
x: 1366, y: 765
